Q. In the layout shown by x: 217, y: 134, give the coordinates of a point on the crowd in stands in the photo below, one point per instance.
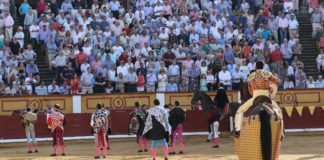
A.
x: 153, y: 45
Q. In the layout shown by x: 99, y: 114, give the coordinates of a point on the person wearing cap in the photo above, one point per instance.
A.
x: 156, y: 127
x: 56, y: 121
x: 99, y: 123
x: 28, y: 121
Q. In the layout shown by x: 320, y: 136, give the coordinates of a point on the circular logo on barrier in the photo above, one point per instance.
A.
x: 288, y: 98
x: 118, y: 102
x: 35, y: 103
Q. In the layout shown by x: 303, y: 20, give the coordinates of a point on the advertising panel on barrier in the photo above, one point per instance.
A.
x: 9, y: 104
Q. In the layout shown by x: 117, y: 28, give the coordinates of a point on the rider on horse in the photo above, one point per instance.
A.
x: 260, y: 82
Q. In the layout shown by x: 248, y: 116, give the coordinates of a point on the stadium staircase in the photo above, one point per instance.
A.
x: 41, y: 61
x: 310, y: 50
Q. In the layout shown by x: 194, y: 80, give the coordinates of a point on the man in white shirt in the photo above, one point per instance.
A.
x: 114, y: 7
x: 29, y: 54
x: 283, y: 25
x: 84, y: 66
x: 225, y: 77
x: 41, y: 89
x: 118, y: 49
x: 33, y: 31
x: 293, y: 26
x: 236, y: 78
x: 174, y: 71
x: 122, y: 68
x: 87, y: 81
x: 131, y: 78
x: 30, y: 83
x: 8, y: 25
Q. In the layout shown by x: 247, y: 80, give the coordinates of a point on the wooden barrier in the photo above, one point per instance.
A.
x: 115, y: 101
x: 8, y: 104
x: 185, y: 97
x: 305, y: 97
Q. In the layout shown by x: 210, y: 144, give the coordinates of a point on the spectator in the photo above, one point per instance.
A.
x: 24, y: 8
x: 30, y: 83
x: 131, y: 79
x: 150, y: 81
x: 19, y: 35
x: 99, y: 84
x: 300, y: 79
x: 53, y: 88
x: 41, y: 7
x: 8, y: 24
x: 32, y: 68
x: 172, y: 86
x: 225, y: 77
x: 41, y: 89
x: 183, y: 86
x: 174, y: 71
x: 15, y: 47
x: 236, y: 78
x: 320, y: 61
x: 203, y: 83
x: 87, y: 82
x: 10, y: 90
x: 288, y: 84
x: 29, y: 54
x: 75, y: 82
x: 319, y: 82
x: 310, y: 83
x: 120, y: 83
x: 34, y: 32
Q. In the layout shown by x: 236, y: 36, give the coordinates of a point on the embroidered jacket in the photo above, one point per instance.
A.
x: 260, y: 80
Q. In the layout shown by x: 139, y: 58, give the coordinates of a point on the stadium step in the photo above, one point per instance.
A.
x: 310, y: 50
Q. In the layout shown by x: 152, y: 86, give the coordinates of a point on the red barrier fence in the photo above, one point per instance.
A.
x: 79, y: 124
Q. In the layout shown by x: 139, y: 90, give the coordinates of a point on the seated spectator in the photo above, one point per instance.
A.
x: 320, y: 61
x: 183, y: 86
x: 41, y: 89
x: 10, y: 90
x: 32, y: 68
x: 320, y: 82
x: 29, y: 54
x: 87, y: 82
x: 99, y: 84
x: 300, y: 79
x: 2, y: 88
x: 172, y: 86
x: 310, y: 83
x: 53, y: 88
x: 288, y: 84
x: 65, y: 89
x: 109, y: 88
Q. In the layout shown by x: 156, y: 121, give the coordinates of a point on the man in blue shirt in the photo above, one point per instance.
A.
x: 171, y: 86
x: 228, y: 54
x: 23, y: 10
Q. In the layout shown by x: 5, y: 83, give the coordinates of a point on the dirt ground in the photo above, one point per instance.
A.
x: 293, y: 148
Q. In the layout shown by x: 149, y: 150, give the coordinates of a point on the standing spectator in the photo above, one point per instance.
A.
x: 115, y: 7
x: 75, y: 82
x: 140, y: 82
x: 8, y: 24
x: 120, y: 83
x: 297, y: 48
x: 162, y: 81
x: 194, y: 74
x: 236, y: 78
x: 225, y: 77
x: 316, y: 18
x: 131, y: 79
x: 23, y: 10
x: 286, y: 52
x: 99, y: 84
x: 41, y: 7
x: 19, y: 35
x: 300, y: 79
x: 203, y: 83
x: 293, y: 26
x: 60, y: 63
x: 174, y: 71
x: 30, y: 83
x: 320, y: 82
x: 34, y: 32
x: 87, y: 81
x: 283, y: 26
x: 150, y: 81
x: 41, y: 89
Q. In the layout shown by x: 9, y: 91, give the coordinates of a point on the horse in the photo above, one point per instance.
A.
x: 268, y: 117
x: 207, y: 104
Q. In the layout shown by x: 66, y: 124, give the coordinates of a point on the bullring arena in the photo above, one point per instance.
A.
x: 303, y: 125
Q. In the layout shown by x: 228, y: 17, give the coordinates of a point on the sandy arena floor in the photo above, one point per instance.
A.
x: 293, y: 148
